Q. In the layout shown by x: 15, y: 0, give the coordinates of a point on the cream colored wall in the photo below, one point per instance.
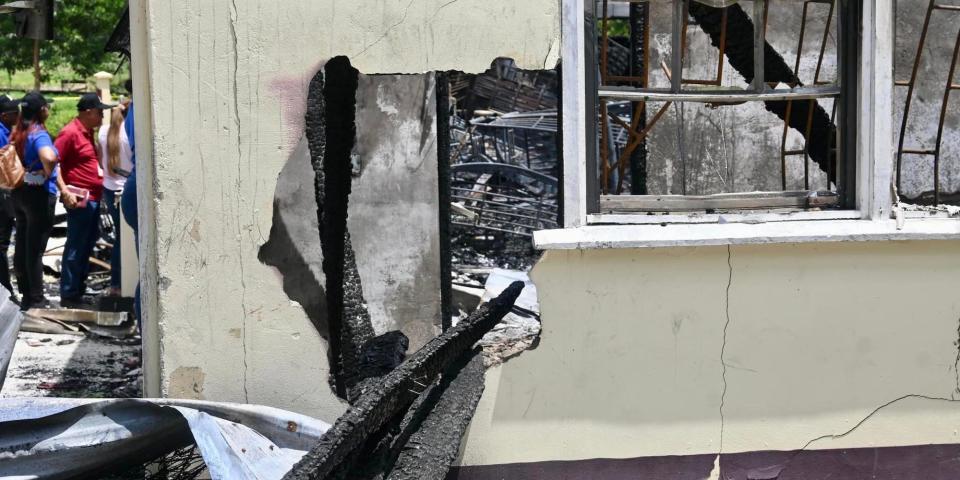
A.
x: 819, y: 337
x: 227, y: 93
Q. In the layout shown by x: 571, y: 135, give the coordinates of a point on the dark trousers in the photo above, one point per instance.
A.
x: 111, y: 199
x: 34, y: 207
x: 7, y: 221
x: 128, y: 205
x: 83, y: 230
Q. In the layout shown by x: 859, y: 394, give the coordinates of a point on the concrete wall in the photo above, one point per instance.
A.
x: 690, y: 351
x: 228, y: 86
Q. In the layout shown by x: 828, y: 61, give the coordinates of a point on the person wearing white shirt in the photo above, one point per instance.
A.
x: 115, y: 160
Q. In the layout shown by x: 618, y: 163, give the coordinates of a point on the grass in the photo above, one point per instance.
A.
x: 63, y: 110
x: 23, y: 79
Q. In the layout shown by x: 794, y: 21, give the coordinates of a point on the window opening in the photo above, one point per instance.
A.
x: 728, y: 124
x: 923, y: 172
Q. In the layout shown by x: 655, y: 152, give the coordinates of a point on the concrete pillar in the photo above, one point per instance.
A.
x: 102, y: 81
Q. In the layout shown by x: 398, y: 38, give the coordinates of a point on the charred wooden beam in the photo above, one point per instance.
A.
x: 425, y: 440
x: 639, y: 53
x: 438, y: 427
x: 331, y: 132
x: 399, y: 389
x: 443, y: 177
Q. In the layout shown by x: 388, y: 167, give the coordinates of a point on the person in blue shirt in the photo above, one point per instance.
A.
x: 9, y: 110
x: 35, y: 200
x: 128, y: 198
x: 8, y: 117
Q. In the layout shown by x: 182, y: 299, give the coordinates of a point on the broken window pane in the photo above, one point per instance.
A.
x: 717, y: 130
x: 925, y: 115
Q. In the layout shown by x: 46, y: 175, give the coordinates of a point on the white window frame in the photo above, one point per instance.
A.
x: 874, y: 218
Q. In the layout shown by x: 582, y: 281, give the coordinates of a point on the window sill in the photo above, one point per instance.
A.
x: 688, y: 235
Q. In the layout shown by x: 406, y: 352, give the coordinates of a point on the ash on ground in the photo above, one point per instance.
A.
x: 56, y: 365
x: 481, y: 270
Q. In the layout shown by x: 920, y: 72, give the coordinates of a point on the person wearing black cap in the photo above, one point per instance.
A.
x: 33, y: 202
x: 81, y: 186
x: 9, y: 110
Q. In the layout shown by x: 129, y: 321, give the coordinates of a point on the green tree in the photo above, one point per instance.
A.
x: 81, y: 29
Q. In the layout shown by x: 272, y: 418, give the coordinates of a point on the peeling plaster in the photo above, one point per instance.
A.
x: 187, y: 382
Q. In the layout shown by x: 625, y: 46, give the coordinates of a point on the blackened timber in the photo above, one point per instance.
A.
x: 739, y: 51
x: 435, y: 442
x: 639, y: 52
x: 558, y: 142
x: 331, y: 132
x: 399, y: 389
x: 426, y: 440
x: 443, y: 177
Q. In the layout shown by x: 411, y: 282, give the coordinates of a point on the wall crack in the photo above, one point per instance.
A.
x: 441, y: 7
x: 956, y: 365
x: 236, y: 113
x: 723, y: 351
x: 388, y: 30
x: 776, y: 471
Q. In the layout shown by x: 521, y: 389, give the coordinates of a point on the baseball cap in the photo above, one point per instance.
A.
x: 7, y: 104
x: 31, y: 104
x: 90, y: 101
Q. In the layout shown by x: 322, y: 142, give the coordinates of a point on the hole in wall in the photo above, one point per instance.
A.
x: 469, y: 159
x: 503, y: 161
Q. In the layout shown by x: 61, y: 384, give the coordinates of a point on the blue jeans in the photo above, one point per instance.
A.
x: 110, y: 198
x: 83, y: 230
x: 128, y: 205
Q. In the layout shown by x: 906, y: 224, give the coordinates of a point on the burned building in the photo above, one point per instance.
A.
x: 743, y: 273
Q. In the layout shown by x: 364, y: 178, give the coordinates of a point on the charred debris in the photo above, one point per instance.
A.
x: 427, y: 398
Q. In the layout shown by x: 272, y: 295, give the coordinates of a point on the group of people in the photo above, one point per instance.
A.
x: 82, y: 168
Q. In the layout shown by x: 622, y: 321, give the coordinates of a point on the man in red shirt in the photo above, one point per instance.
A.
x: 81, y: 184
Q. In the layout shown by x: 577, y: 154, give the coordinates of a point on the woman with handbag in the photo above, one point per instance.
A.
x: 35, y: 200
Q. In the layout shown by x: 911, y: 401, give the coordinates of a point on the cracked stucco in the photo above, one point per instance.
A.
x: 228, y: 82
x: 810, y: 346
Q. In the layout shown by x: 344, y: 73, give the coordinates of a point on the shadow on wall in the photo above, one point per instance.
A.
x: 294, y: 244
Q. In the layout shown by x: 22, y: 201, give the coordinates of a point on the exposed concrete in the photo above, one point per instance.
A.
x: 187, y: 382
x: 394, y: 212
x: 394, y: 195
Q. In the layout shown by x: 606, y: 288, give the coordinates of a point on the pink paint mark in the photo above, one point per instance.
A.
x: 291, y: 92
